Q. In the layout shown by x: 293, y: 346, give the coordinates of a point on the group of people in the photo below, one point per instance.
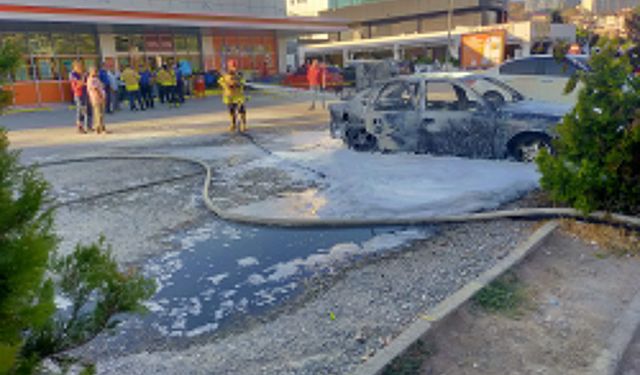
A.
x: 139, y: 86
x: 91, y: 97
x: 98, y: 91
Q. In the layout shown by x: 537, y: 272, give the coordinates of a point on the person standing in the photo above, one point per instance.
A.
x: 316, y: 79
x: 173, y: 87
x: 103, y: 75
x: 146, y: 88
x: 112, y: 93
x: 97, y: 99
x: 232, y: 85
x: 79, y: 90
x: 132, y: 84
x: 163, y: 80
x: 179, y: 85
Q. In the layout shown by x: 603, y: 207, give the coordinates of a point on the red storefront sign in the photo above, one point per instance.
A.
x: 158, y: 43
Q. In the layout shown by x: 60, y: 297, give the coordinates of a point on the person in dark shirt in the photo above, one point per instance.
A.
x: 146, y: 86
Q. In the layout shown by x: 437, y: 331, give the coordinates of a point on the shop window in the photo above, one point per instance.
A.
x: 18, y: 39
x: 65, y: 66
x: 40, y: 44
x: 64, y: 44
x: 192, y: 43
x: 180, y: 42
x: 87, y: 44
x: 129, y: 43
x: 23, y: 72
x: 45, y: 68
x: 122, y: 43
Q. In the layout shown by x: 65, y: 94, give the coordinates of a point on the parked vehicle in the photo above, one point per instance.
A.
x: 334, y: 80
x: 542, y: 77
x: 459, y: 114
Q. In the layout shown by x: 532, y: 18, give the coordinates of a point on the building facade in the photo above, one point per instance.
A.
x: 385, y: 18
x: 306, y: 8
x: 602, y: 7
x: 118, y: 33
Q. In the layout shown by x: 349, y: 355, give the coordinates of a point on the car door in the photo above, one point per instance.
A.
x: 393, y: 115
x: 522, y: 75
x: 553, y: 79
x: 456, y: 121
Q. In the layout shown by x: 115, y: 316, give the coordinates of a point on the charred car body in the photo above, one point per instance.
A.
x: 458, y: 114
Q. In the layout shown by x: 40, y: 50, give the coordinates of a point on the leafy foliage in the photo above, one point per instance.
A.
x: 502, y: 295
x: 30, y: 276
x: 597, y: 160
x: 26, y: 299
x: 90, y: 279
x: 9, y: 60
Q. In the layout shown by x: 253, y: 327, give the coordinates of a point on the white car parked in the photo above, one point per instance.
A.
x: 542, y: 77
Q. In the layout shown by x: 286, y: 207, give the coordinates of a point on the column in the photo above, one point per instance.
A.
x: 281, y: 42
x: 107, y: 43
x: 346, y: 56
x: 396, y: 52
x: 208, y: 52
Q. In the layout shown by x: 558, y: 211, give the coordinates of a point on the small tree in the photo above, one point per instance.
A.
x: 597, y: 160
x: 26, y: 240
x: 30, y: 329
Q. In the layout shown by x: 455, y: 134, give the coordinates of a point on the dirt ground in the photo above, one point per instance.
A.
x: 574, y: 290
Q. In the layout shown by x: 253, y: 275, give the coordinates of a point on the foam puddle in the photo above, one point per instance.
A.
x: 226, y: 271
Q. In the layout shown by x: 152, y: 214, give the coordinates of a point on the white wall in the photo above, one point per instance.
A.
x: 264, y: 8
x: 306, y: 8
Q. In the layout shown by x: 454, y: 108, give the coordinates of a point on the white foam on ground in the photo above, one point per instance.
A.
x: 248, y: 262
x: 342, y: 252
x: 375, y: 185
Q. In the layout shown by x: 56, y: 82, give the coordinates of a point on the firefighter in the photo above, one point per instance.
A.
x: 233, y: 96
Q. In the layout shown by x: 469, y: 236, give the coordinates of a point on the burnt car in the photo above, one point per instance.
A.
x: 459, y: 114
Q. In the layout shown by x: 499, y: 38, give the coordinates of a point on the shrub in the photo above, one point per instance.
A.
x: 597, y: 161
x: 30, y: 329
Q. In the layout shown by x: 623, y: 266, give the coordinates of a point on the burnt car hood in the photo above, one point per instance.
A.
x: 536, y: 108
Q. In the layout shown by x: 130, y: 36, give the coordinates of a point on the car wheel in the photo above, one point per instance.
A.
x: 361, y: 140
x: 494, y: 98
x: 527, y: 148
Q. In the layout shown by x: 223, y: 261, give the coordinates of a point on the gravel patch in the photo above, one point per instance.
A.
x: 137, y: 224
x: 346, y: 317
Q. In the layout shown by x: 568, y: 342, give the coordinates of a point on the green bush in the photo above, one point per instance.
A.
x: 26, y: 240
x: 505, y: 295
x: 596, y: 165
x: 30, y: 328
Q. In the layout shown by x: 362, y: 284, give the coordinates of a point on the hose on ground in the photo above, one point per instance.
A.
x: 522, y: 213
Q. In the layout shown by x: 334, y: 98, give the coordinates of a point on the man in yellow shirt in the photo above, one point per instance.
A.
x: 232, y: 85
x: 164, y: 84
x: 131, y: 80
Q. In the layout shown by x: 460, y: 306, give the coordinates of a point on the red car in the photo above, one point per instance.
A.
x: 334, y: 80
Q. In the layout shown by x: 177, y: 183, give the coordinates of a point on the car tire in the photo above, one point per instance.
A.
x: 359, y: 139
x: 527, y: 148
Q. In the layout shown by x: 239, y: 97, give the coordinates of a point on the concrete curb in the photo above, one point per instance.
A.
x: 628, y: 325
x: 426, y: 322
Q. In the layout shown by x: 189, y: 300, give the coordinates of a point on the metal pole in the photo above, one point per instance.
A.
x: 449, y: 26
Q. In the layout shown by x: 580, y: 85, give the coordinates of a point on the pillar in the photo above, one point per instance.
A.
x: 346, y: 56
x: 281, y: 41
x: 396, y: 52
x: 208, y: 52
